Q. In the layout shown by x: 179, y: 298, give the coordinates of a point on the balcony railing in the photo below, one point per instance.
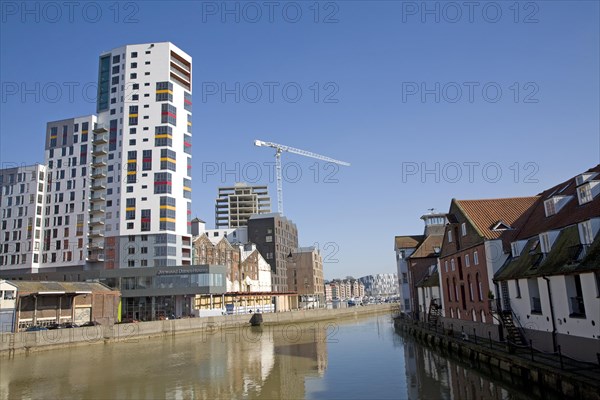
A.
x: 577, y: 306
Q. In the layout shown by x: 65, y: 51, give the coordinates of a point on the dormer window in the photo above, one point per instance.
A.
x: 515, y: 249
x: 585, y: 177
x: 501, y: 226
x: 554, y: 204
x: 584, y: 194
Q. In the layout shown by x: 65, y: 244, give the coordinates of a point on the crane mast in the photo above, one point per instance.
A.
x: 280, y: 148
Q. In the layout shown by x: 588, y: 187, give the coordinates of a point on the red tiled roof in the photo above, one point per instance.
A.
x: 408, y: 241
x: 571, y: 213
x: 484, y: 214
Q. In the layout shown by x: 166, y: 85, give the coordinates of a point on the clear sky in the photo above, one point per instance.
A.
x: 494, y: 99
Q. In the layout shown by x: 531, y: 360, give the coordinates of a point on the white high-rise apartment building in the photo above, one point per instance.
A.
x: 69, y: 152
x: 22, y: 191
x: 116, y: 188
x: 145, y: 111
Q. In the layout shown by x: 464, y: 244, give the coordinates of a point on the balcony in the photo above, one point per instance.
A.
x: 97, y: 198
x: 98, y: 162
x: 96, y: 233
x: 100, y: 138
x: 96, y: 247
x: 96, y: 222
x: 100, y: 151
x: 98, y: 185
x: 98, y: 173
x: 100, y: 129
x: 96, y: 257
x: 577, y: 307
x: 97, y: 210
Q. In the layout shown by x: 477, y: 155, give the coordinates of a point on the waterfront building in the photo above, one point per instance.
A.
x: 22, y: 199
x: 549, y: 286
x: 73, y: 227
x: 276, y: 238
x: 305, y: 277
x: 429, y: 295
x: 475, y: 246
x: 415, y: 255
x: 235, y: 204
x: 381, y: 285
x: 144, y: 109
x: 35, y: 303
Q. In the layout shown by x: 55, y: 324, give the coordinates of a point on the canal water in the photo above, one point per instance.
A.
x: 361, y: 358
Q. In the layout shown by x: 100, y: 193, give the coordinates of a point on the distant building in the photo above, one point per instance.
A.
x: 381, y: 285
x: 235, y: 204
x: 328, y: 292
x: 276, y: 238
x: 305, y: 277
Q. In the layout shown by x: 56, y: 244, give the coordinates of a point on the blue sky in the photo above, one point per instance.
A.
x: 391, y: 87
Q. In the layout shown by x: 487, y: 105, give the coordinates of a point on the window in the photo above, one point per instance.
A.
x: 133, y: 115
x: 168, y: 114
x: 187, y: 188
x: 163, y: 136
x: 549, y: 207
x: 168, y: 159
x: 449, y: 236
x: 475, y: 258
x: 164, y: 91
x: 146, y: 221
x: 452, y: 264
x: 584, y: 194
x: 545, y: 241
x: 130, y: 208
x: 463, y: 228
x: 134, y: 54
x: 446, y: 265
x: 162, y: 182
x: 187, y: 143
x: 467, y: 262
x: 187, y: 101
x: 147, y: 160
x: 575, y: 296
x: 586, y: 233
x: 534, y: 296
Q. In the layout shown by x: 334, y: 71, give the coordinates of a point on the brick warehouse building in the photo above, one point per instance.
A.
x: 475, y: 245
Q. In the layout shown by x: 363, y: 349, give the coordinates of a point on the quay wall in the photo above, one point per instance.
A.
x: 28, y: 342
x: 568, y: 383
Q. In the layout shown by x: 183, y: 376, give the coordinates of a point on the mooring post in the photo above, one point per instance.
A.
x: 560, y: 357
x: 531, y: 348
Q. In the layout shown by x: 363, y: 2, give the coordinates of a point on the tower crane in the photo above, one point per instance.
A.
x: 280, y: 148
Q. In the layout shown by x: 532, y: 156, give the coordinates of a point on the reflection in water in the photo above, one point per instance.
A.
x: 430, y: 375
x: 258, y: 363
x: 361, y: 358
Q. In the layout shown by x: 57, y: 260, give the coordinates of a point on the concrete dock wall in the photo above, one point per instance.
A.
x: 27, y: 342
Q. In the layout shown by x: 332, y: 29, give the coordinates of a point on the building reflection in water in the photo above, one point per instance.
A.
x: 255, y: 363
x: 429, y: 375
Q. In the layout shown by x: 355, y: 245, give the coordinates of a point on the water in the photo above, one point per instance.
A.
x: 362, y: 358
